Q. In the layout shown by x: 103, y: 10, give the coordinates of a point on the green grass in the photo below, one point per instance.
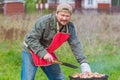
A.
x: 10, y: 62
x: 107, y: 64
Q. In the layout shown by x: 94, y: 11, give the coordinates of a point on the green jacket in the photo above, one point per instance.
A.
x: 43, y: 32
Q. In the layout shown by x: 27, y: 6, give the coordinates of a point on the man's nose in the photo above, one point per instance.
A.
x: 64, y: 17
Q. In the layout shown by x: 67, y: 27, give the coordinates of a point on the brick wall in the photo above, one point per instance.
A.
x: 103, y: 6
x: 14, y: 8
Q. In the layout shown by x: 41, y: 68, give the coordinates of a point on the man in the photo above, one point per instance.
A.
x: 48, y: 34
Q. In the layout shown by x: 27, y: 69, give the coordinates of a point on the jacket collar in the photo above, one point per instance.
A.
x: 53, y: 21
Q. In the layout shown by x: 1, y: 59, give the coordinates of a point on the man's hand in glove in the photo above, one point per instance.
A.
x: 85, y: 67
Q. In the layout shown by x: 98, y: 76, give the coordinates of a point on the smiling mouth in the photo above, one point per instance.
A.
x: 64, y: 21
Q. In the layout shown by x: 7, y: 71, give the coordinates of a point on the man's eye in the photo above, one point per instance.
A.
x: 65, y: 15
x: 62, y: 15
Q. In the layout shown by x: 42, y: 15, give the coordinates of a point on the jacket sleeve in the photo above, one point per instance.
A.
x: 33, y: 37
x: 76, y: 45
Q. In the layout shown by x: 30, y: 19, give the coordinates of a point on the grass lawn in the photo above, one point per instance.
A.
x: 10, y: 62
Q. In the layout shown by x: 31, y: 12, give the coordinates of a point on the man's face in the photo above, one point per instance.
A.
x: 63, y: 17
